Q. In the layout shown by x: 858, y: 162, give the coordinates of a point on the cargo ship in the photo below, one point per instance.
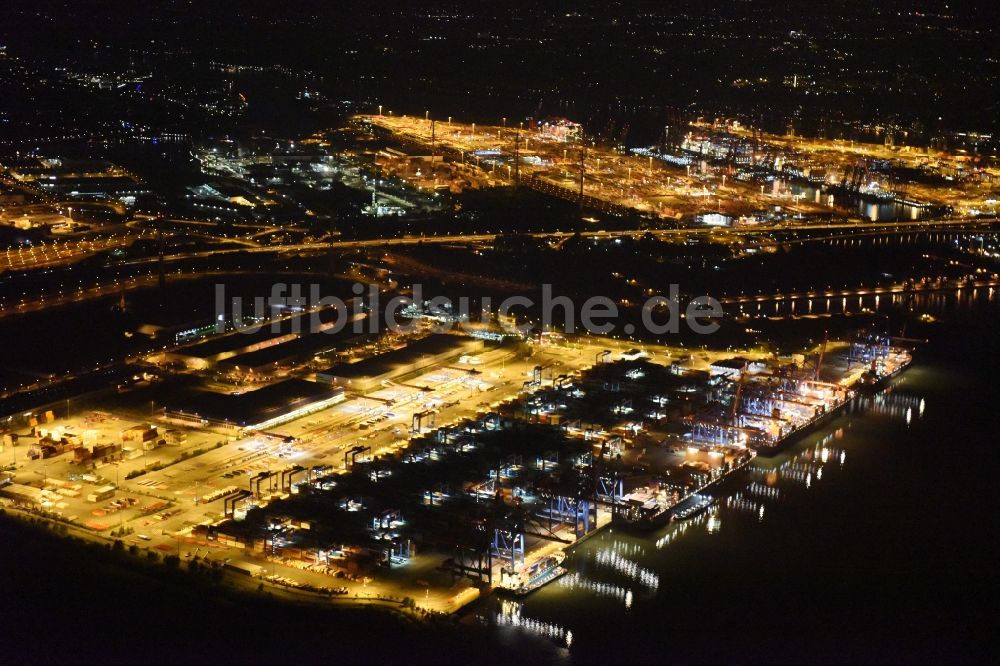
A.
x: 884, y: 370
x: 692, y: 506
x: 795, y: 435
x: 643, y: 510
x: 533, y: 576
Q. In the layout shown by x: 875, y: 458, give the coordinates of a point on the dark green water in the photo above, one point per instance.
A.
x: 876, y: 540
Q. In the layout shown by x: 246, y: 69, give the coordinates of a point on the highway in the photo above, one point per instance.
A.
x: 55, y: 254
x: 976, y: 225
x: 47, y: 255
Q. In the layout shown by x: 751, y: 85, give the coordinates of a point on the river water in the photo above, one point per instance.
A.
x: 865, y: 207
x: 872, y: 538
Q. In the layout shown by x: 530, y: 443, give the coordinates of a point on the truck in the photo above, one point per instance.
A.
x: 244, y: 568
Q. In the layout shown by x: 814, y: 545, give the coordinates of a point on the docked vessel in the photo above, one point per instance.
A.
x: 779, y: 445
x: 644, y: 509
x: 692, y: 506
x: 879, y: 359
x: 884, y: 369
x: 532, y: 576
x: 884, y: 364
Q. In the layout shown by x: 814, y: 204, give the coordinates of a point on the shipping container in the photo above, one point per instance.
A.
x: 101, y: 494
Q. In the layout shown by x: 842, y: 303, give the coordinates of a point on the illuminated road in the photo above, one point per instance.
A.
x: 952, y: 226
x: 47, y: 255
x: 55, y: 254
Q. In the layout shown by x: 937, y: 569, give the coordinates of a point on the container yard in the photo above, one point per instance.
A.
x: 434, y: 467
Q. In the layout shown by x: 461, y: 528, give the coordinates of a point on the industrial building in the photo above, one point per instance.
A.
x: 257, y: 409
x: 267, y: 359
x: 22, y: 495
x: 207, y: 354
x: 78, y: 178
x: 732, y: 367
x: 368, y: 374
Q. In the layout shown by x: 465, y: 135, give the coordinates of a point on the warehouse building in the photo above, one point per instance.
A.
x: 292, y: 330
x: 397, y: 365
x: 268, y: 360
x: 257, y: 409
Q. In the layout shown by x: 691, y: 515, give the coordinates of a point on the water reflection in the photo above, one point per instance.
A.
x: 676, y: 530
x: 620, y: 568
x: 863, y: 301
x: 714, y: 523
x: 609, y: 558
x: 895, y: 405
x: 868, y: 207
x: 761, y: 490
x: 510, y: 614
x: 740, y: 503
x: 577, y: 582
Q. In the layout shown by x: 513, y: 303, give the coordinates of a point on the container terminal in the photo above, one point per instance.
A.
x: 431, y: 467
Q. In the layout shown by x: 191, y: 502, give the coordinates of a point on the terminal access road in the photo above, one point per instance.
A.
x: 72, y: 251
x: 722, y: 234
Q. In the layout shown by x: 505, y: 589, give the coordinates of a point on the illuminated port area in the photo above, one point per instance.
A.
x: 436, y: 470
x: 463, y: 332
x: 919, y: 179
x: 555, y: 159
x: 722, y: 174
